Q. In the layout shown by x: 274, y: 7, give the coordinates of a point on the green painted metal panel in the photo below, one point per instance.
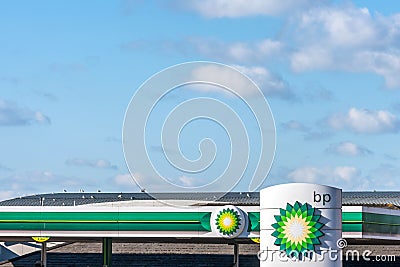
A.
x: 254, y: 221
x: 73, y: 226
x: 352, y: 227
x: 168, y: 221
x: 161, y: 227
x: 60, y: 226
x: 22, y: 226
x: 352, y: 216
x: 58, y: 216
x: 106, y: 221
x: 162, y: 216
x: 14, y: 216
x: 381, y: 228
x: 79, y: 216
x: 381, y: 219
x: 33, y: 220
x: 367, y: 222
x: 205, y: 221
x: 101, y: 216
x: 113, y: 221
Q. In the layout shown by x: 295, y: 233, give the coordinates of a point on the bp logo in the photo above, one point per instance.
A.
x: 297, y: 229
x: 228, y: 221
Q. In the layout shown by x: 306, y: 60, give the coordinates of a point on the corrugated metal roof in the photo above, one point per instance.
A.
x: 75, y: 199
x: 235, y: 198
x: 371, y: 198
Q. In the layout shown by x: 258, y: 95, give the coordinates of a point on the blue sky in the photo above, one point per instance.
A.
x: 329, y: 70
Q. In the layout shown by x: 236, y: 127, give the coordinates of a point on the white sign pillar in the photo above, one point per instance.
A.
x: 300, y: 225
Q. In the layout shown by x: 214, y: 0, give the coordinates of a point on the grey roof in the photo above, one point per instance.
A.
x: 371, y: 198
x: 389, y: 199
x: 75, y: 199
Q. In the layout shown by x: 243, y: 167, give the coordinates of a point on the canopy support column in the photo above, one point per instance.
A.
x: 43, y: 254
x: 107, y: 251
x: 236, y: 255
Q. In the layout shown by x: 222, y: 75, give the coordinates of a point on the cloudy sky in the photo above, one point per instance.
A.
x: 329, y: 70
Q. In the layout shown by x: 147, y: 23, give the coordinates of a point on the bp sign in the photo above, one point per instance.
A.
x: 228, y: 221
x: 300, y: 225
x: 297, y: 229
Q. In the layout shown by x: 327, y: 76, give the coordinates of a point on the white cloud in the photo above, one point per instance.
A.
x: 311, y: 58
x: 124, y: 179
x: 347, y: 38
x: 241, y: 8
x: 348, y: 149
x: 386, y: 64
x: 34, y: 182
x: 246, y: 52
x: 239, y: 51
x: 345, y: 172
x: 269, y: 83
x: 324, y: 37
x: 153, y: 184
x: 222, y: 75
x: 138, y: 181
x: 341, y: 26
x: 187, y: 181
x: 258, y: 74
x: 295, y: 125
x: 383, y: 177
x: 8, y: 194
x: 306, y: 174
x: 98, y: 164
x: 319, y: 37
x: 12, y: 115
x: 365, y: 121
x: 340, y: 175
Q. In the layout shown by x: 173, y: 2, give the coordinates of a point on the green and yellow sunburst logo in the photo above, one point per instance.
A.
x: 297, y: 229
x: 228, y: 221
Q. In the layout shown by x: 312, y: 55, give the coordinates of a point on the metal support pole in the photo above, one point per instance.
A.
x: 107, y: 251
x: 236, y: 255
x: 43, y: 254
